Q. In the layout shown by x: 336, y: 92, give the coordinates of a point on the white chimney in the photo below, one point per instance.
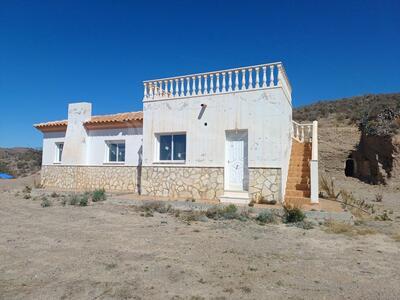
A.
x: 74, y: 152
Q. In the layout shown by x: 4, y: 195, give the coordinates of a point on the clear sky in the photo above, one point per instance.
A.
x: 55, y: 52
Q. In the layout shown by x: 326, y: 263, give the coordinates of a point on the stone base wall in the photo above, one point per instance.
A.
x: 265, y: 183
x: 111, y: 178
x: 173, y: 182
x: 183, y: 182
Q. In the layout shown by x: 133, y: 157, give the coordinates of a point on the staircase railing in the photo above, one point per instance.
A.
x: 309, y: 133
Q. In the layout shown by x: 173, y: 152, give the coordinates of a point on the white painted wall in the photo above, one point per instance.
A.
x: 96, y: 150
x: 265, y: 113
x: 49, y: 146
x: 75, y: 145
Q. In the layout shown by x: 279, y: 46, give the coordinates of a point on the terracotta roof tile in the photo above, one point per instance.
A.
x: 120, y: 118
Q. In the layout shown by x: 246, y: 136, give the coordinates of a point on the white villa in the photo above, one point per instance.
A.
x: 225, y: 135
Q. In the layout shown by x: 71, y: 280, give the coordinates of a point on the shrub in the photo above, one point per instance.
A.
x: 332, y: 226
x: 224, y: 212
x: 378, y: 197
x: 63, y: 202
x: 293, y: 214
x: 45, y: 202
x: 27, y: 189
x: 74, y: 199
x: 54, y: 195
x: 27, y: 196
x: 99, y: 195
x: 266, y: 216
x: 83, y: 200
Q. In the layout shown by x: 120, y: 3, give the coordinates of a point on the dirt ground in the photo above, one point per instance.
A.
x: 106, y: 251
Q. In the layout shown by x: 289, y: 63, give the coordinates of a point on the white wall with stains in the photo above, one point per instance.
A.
x: 97, y: 145
x: 266, y: 114
x: 49, y: 146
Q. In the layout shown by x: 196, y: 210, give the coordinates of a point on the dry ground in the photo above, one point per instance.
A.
x: 106, y: 251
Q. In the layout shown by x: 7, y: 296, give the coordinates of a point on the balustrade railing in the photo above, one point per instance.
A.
x: 218, y: 82
x: 302, y: 132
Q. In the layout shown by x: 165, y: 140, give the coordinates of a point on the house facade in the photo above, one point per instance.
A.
x: 224, y: 135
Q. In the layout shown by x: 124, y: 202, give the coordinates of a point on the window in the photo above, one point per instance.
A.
x: 172, y: 147
x: 59, y: 151
x: 116, y: 151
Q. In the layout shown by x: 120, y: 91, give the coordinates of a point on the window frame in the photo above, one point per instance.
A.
x: 108, y: 143
x: 157, y: 154
x: 59, y: 152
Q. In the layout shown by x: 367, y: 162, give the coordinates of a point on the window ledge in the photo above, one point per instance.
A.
x: 57, y: 163
x: 114, y: 163
x: 170, y: 162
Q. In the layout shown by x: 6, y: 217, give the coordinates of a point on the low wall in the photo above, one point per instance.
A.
x: 183, y: 182
x: 265, y: 182
x: 173, y: 182
x: 111, y: 178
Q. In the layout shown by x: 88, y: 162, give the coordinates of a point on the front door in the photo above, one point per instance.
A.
x: 236, y: 160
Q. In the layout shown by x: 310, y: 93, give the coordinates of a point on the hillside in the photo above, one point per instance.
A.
x: 20, y: 161
x: 347, y: 110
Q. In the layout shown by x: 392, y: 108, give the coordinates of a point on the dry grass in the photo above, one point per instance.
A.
x: 396, y: 237
x: 336, y: 227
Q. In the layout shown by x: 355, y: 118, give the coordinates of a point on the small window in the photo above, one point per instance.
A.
x: 172, y: 147
x: 116, y: 151
x: 59, y: 151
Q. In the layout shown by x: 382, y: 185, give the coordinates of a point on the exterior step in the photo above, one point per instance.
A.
x: 297, y: 193
x: 297, y: 180
x: 297, y: 186
x: 236, y: 197
x: 297, y: 200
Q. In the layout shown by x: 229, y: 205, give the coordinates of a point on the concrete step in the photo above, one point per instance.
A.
x: 236, y: 197
x: 297, y: 200
x: 297, y: 193
x: 297, y: 186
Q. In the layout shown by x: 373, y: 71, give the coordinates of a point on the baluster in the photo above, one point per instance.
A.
x: 211, y: 83
x: 217, y: 83
x: 297, y: 132
x: 205, y: 85
x: 271, y: 78
x: 145, y: 90
x: 177, y: 92
x: 193, y: 86
x: 160, y: 90
x: 309, y: 133
x: 280, y: 75
x: 257, y: 77
x: 223, y: 82
x: 236, y: 88
x: 264, y: 84
x: 243, y: 79
x: 171, y: 85
x: 187, y: 86
x: 199, y: 88
x: 250, y: 78
x: 230, y: 81
x: 182, y: 93
x: 302, y: 133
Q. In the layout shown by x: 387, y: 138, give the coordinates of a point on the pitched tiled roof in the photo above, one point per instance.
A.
x: 101, y: 121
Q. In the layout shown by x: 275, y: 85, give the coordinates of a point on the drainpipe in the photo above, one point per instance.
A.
x: 314, y: 165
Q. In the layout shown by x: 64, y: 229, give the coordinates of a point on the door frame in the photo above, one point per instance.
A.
x: 239, y: 134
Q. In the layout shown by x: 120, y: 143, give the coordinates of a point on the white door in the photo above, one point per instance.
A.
x: 235, y: 161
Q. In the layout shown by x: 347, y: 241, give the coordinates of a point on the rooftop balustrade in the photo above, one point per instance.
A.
x: 242, y: 79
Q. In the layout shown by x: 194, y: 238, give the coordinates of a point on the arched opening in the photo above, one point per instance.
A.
x: 350, y: 168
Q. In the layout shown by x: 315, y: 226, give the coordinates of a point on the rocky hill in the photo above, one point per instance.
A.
x: 20, y: 162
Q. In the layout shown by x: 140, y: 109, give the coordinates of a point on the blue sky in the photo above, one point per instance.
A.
x: 55, y: 52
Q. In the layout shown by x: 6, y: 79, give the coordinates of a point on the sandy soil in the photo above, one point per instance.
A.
x: 108, y: 251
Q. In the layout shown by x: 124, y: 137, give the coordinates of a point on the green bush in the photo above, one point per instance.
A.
x: 266, y: 216
x: 45, y: 202
x: 293, y: 214
x: 225, y: 212
x: 83, y: 200
x: 74, y: 200
x: 27, y: 189
x: 99, y: 195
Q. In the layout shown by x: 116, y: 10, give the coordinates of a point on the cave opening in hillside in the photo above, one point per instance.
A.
x: 350, y: 167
